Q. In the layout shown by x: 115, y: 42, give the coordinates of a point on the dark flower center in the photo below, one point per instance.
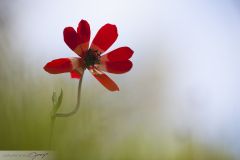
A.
x: 92, y: 57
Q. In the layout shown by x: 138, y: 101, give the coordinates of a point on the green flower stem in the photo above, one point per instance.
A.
x: 77, y: 105
x: 56, y: 106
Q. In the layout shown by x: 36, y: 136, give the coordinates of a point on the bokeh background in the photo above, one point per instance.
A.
x: 179, y: 102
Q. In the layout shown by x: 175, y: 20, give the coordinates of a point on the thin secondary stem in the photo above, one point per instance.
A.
x: 51, y: 131
x: 77, y: 105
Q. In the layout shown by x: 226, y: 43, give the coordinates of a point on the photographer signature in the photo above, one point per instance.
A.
x: 35, y: 155
x: 32, y: 155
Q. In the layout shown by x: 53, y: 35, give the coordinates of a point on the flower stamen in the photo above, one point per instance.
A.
x: 92, y: 57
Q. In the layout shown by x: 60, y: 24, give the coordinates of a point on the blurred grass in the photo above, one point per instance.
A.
x: 94, y: 133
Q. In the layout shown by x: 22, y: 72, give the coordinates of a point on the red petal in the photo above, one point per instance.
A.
x: 119, y: 54
x: 78, y: 41
x: 83, y: 32
x: 61, y: 65
x: 116, y: 67
x: 78, y: 68
x: 105, y: 37
x: 104, y: 80
x: 70, y: 37
x: 75, y: 74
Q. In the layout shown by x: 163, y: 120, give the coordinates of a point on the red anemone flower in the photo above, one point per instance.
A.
x: 91, y: 58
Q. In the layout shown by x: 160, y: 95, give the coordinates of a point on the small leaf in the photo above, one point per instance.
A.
x: 59, y: 102
x: 54, y: 98
x: 56, y: 103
